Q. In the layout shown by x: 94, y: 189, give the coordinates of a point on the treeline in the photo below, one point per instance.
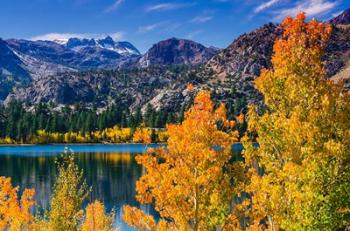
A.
x: 46, y: 123
x: 23, y: 125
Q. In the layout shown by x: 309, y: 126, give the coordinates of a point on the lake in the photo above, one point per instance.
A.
x: 111, y: 170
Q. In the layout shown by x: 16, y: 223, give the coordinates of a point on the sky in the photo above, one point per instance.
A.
x: 145, y: 22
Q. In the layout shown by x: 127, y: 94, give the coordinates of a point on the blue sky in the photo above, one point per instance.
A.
x: 143, y: 23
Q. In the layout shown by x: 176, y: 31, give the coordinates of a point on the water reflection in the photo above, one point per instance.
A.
x: 112, y: 175
x: 111, y: 170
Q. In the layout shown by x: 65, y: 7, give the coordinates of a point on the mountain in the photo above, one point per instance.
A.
x: 342, y: 19
x: 45, y: 51
x: 37, y: 60
x: 153, y: 79
x: 247, y: 54
x: 10, y: 63
x: 231, y: 73
x: 132, y: 87
x: 19, y: 69
x: 22, y: 61
x: 238, y: 65
x: 79, y: 54
x: 12, y: 70
x: 123, y: 48
x: 177, y: 51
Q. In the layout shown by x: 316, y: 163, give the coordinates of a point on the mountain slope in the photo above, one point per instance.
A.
x: 10, y: 63
x: 247, y: 54
x: 230, y: 74
x: 130, y: 87
x: 177, y: 51
x: 342, y: 19
x: 337, y: 55
x: 12, y: 71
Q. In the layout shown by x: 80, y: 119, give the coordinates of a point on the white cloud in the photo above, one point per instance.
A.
x: 164, y: 26
x: 65, y: 36
x: 192, y: 34
x: 151, y: 27
x: 310, y: 7
x: 266, y: 5
x: 337, y: 14
x: 114, y: 6
x: 166, y: 7
x: 117, y: 36
x: 202, y: 19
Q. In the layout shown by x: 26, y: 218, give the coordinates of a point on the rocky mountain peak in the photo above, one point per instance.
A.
x: 76, y: 42
x: 106, y: 42
x: 177, y: 51
x: 247, y: 54
x: 122, y: 48
x: 342, y: 19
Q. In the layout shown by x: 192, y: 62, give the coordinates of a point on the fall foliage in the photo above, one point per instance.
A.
x: 65, y: 212
x: 70, y: 191
x: 15, y: 214
x: 96, y: 218
x: 299, y: 177
x: 108, y: 135
x: 295, y: 174
x: 191, y: 181
x: 142, y: 135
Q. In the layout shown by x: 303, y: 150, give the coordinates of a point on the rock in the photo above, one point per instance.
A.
x: 177, y: 51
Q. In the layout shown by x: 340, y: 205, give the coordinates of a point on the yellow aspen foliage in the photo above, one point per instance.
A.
x: 137, y: 218
x: 70, y: 191
x: 110, y: 135
x: 300, y: 173
x: 162, y: 136
x: 7, y: 140
x: 65, y: 213
x: 191, y: 181
x: 96, y: 218
x: 15, y: 214
x: 142, y: 135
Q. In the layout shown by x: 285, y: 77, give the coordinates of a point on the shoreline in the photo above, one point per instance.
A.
x: 1, y: 145
x: 24, y: 145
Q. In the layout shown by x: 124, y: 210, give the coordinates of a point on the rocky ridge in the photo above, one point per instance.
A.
x: 177, y: 52
x: 342, y: 19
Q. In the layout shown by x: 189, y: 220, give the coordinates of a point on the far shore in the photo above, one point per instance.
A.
x: 1, y: 145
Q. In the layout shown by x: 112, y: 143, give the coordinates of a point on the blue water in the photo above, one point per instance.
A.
x: 111, y: 170
x: 49, y: 150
